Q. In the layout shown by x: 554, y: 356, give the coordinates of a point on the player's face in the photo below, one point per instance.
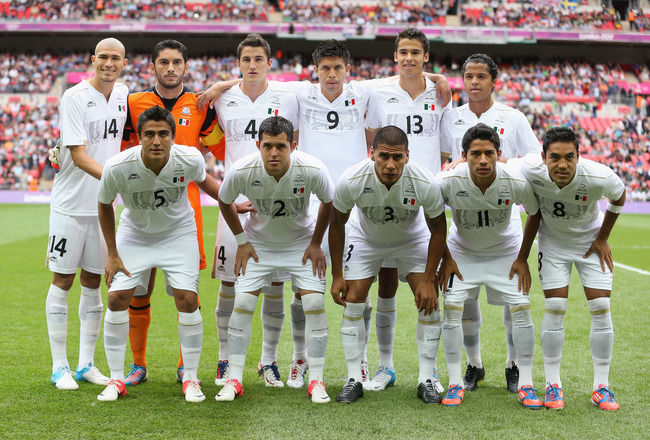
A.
x: 169, y: 68
x: 561, y: 159
x: 331, y: 73
x: 108, y: 61
x: 389, y: 162
x: 482, y: 157
x: 254, y: 64
x: 410, y: 57
x: 156, y: 139
x: 276, y: 153
x: 478, y: 82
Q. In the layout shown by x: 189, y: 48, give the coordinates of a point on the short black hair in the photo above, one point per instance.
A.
x: 275, y: 126
x: 157, y: 113
x: 482, y: 132
x: 333, y: 49
x: 168, y: 44
x: 560, y: 134
x: 391, y: 135
x: 413, y: 34
x: 481, y: 58
x: 254, y: 40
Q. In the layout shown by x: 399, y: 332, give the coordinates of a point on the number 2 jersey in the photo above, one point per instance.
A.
x: 86, y: 118
x: 571, y: 215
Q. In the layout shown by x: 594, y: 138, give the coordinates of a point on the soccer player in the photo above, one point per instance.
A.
x: 388, y: 191
x: 480, y: 73
x: 195, y: 128
x: 157, y: 229
x: 283, y: 236
x: 483, y: 249
x: 92, y: 117
x: 573, y: 231
x: 411, y: 104
x: 240, y: 111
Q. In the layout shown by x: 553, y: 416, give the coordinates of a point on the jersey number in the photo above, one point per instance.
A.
x: 350, y: 249
x: 250, y: 129
x: 414, y: 124
x: 280, y: 212
x: 539, y: 261
x: 483, y: 219
x: 389, y: 214
x: 158, y: 195
x: 559, y: 209
x: 110, y: 129
x: 333, y: 118
x: 221, y: 255
x: 59, y: 247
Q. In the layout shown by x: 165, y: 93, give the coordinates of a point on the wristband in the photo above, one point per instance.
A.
x: 241, y: 239
x: 614, y: 209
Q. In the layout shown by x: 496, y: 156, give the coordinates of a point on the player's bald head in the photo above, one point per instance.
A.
x: 110, y: 43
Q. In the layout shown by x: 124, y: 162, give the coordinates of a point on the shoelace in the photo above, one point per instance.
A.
x: 553, y: 393
x: 530, y: 391
x: 606, y: 394
x: 221, y: 366
x: 274, y: 370
x: 453, y: 391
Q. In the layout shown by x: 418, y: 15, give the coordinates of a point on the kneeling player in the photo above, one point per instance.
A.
x: 573, y: 231
x: 283, y: 236
x: 156, y: 229
x: 388, y: 191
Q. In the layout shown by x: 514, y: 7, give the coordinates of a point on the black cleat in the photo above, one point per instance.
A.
x: 428, y: 393
x: 473, y: 375
x: 512, y: 378
x: 351, y: 391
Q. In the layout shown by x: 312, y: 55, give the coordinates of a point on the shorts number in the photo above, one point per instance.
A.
x: 333, y: 118
x: 158, y: 195
x: 110, y: 129
x: 483, y: 219
x: 250, y: 129
x: 539, y: 261
x: 350, y: 248
x: 414, y: 124
x: 451, y: 281
x: 389, y: 214
x: 559, y: 209
x: 221, y: 255
x: 59, y: 247
x: 280, y: 212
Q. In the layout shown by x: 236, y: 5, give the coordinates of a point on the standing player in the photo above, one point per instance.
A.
x: 573, y: 231
x: 283, y: 235
x: 483, y: 249
x: 157, y: 229
x: 480, y: 75
x: 411, y: 104
x: 240, y: 111
x: 388, y: 191
x: 194, y: 128
x: 92, y: 117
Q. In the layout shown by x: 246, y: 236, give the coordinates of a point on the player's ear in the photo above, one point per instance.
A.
x: 464, y: 155
x: 543, y: 157
x: 372, y: 154
x: 257, y: 144
x: 499, y: 154
x: 395, y: 56
x: 407, y: 157
x: 347, y: 69
x: 293, y: 145
x: 426, y: 57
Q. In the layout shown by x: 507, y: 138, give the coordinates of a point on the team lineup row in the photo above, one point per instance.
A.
x: 275, y: 209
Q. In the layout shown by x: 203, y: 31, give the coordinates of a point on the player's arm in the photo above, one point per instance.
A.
x: 245, y: 250
x: 426, y: 293
x: 210, y: 96
x: 209, y: 186
x: 336, y: 242
x: 82, y: 160
x: 314, y: 251
x: 520, y: 265
x: 601, y: 244
x: 448, y: 269
x: 114, y: 263
x: 443, y: 89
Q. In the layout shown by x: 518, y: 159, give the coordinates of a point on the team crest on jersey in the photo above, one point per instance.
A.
x: 232, y: 104
x: 186, y: 111
x: 430, y: 96
x: 313, y: 98
x: 392, y: 100
x: 257, y: 183
x: 134, y: 176
x: 409, y: 190
x: 299, y: 179
x: 459, y: 122
x: 462, y: 194
x: 178, y: 179
x: 178, y: 168
x: 582, y: 188
x: 504, y: 191
x: 368, y: 190
x: 184, y: 122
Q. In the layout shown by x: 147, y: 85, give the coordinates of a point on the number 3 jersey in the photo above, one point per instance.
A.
x: 571, y: 214
x: 481, y: 224
x: 86, y: 119
x: 155, y: 205
x: 389, y: 216
x: 282, y: 221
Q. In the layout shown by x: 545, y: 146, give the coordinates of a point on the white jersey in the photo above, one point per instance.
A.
x: 571, y: 215
x: 389, y: 217
x: 516, y: 135
x: 481, y: 222
x: 86, y: 119
x: 240, y: 118
x: 390, y: 104
x: 154, y: 205
x: 282, y: 221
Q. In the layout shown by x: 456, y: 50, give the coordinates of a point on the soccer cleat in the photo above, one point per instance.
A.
x: 192, y: 391
x: 231, y: 390
x: 223, y: 373
x: 115, y: 389
x: 351, y: 391
x: 63, y: 380
x: 435, y: 381
x: 553, y: 397
x: 316, y: 390
x: 365, y: 374
x: 512, y: 378
x: 91, y: 374
x: 473, y: 375
x: 428, y: 393
x: 180, y: 374
x: 384, y: 377
x: 528, y: 397
x: 454, y: 395
x: 604, y: 398
x: 136, y: 376
x: 297, y: 371
x: 271, y: 374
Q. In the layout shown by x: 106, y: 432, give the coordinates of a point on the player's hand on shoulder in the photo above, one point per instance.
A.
x: 244, y: 253
x: 114, y: 265
x: 243, y: 208
x: 601, y: 247
x: 318, y: 263
x: 451, y: 165
x: 520, y: 267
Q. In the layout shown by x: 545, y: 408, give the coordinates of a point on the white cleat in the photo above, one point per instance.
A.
x: 115, y: 389
x: 384, y: 377
x: 297, y: 371
x: 318, y: 392
x: 231, y: 390
x: 192, y: 391
x: 271, y: 375
x: 91, y: 374
x: 63, y: 380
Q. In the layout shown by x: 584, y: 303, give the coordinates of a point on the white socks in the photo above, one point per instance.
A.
x: 523, y: 336
x: 353, y: 334
x: 552, y: 336
x: 225, y: 303
x: 190, y: 334
x: 116, y: 332
x: 239, y: 333
x: 298, y: 330
x: 90, y: 316
x: 428, y: 339
x: 452, y: 341
x: 601, y: 339
x: 385, y: 327
x: 472, y: 332
x: 512, y: 351
x: 56, y: 311
x: 272, y: 320
x: 316, y: 333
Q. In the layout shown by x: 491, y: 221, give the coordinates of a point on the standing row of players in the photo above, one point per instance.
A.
x: 330, y: 112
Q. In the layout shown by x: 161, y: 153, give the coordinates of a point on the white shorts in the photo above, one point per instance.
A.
x: 554, y: 263
x: 493, y: 273
x: 225, y: 251
x: 362, y: 260
x: 75, y: 241
x: 261, y: 274
x: 178, y: 257
x: 314, y: 206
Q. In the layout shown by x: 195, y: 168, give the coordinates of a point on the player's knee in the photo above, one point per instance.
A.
x: 63, y: 280
x: 453, y: 314
x: 90, y: 280
x: 521, y: 316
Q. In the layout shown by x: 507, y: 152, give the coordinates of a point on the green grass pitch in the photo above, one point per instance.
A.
x: 32, y: 408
